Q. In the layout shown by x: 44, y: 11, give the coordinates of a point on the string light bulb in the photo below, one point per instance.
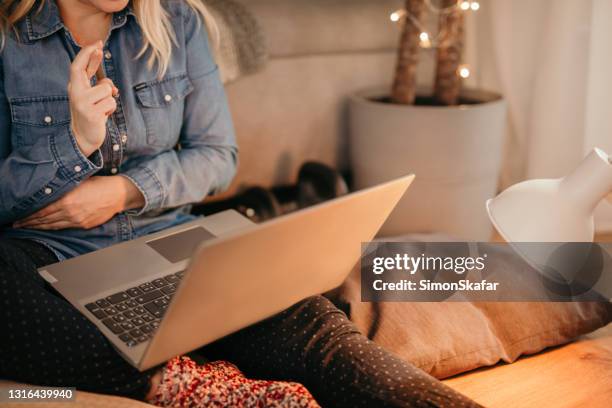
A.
x: 464, y: 71
x: 425, y: 40
x: 397, y: 15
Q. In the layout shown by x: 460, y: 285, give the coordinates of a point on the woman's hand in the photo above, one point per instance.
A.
x: 89, y: 106
x: 92, y: 203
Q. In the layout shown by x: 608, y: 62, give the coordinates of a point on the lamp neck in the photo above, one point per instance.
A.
x: 590, y: 182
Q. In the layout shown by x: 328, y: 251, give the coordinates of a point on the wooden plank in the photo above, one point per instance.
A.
x: 571, y: 376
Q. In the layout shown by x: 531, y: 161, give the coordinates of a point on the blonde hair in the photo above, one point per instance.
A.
x: 153, y: 19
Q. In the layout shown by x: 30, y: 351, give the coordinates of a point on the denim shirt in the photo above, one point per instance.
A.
x: 171, y: 136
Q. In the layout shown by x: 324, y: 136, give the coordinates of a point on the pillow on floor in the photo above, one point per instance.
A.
x: 449, y: 338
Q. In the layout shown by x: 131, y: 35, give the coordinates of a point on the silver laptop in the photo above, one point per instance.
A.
x: 172, y: 292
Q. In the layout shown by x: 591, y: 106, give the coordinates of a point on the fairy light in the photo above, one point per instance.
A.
x: 397, y: 15
x: 464, y: 71
x: 427, y: 40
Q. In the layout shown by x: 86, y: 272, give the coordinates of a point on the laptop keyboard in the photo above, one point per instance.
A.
x: 134, y: 315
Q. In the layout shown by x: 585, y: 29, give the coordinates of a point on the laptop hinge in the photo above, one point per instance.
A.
x: 47, y: 276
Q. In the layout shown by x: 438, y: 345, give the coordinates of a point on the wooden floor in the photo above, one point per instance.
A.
x: 575, y: 375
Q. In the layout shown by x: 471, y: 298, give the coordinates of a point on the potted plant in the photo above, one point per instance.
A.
x: 450, y: 137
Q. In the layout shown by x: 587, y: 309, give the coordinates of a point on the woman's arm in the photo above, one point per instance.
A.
x: 207, y: 159
x: 35, y: 176
x: 97, y: 199
x: 92, y: 203
x: 61, y: 162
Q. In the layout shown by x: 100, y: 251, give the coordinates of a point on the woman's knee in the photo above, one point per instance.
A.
x: 319, y: 308
x: 318, y: 321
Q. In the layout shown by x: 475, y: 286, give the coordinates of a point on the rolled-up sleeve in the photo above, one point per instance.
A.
x: 207, y: 159
x: 33, y: 176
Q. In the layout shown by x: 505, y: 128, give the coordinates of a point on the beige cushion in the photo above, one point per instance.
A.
x: 447, y: 338
x: 292, y: 112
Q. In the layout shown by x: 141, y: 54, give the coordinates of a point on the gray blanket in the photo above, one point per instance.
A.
x: 242, y: 48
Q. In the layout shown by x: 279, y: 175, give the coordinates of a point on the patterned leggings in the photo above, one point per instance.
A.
x: 48, y: 342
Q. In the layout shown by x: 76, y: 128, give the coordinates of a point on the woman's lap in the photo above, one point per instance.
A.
x: 47, y: 341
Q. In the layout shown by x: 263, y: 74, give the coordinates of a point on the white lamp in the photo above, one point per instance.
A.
x: 556, y: 211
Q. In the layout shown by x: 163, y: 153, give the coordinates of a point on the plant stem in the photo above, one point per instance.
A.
x: 448, y: 82
x: 404, y: 85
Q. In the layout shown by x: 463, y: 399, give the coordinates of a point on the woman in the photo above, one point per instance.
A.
x: 88, y: 163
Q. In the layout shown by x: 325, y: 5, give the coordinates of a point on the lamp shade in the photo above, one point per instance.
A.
x: 547, y: 222
x: 554, y: 210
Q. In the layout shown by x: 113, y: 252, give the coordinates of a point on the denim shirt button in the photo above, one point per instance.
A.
x: 48, y: 119
x: 77, y: 169
x: 114, y: 170
x: 116, y: 147
x: 108, y: 55
x: 167, y: 97
x: 48, y: 190
x: 123, y: 138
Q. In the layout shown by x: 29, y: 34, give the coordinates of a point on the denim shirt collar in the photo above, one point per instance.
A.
x: 45, y: 20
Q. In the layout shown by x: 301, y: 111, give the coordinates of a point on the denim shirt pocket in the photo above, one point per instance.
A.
x: 34, y: 118
x: 162, y: 106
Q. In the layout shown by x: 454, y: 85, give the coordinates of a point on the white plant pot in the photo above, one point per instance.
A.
x: 455, y: 153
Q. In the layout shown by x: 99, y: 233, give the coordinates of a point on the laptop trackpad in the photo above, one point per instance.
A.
x: 180, y: 246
